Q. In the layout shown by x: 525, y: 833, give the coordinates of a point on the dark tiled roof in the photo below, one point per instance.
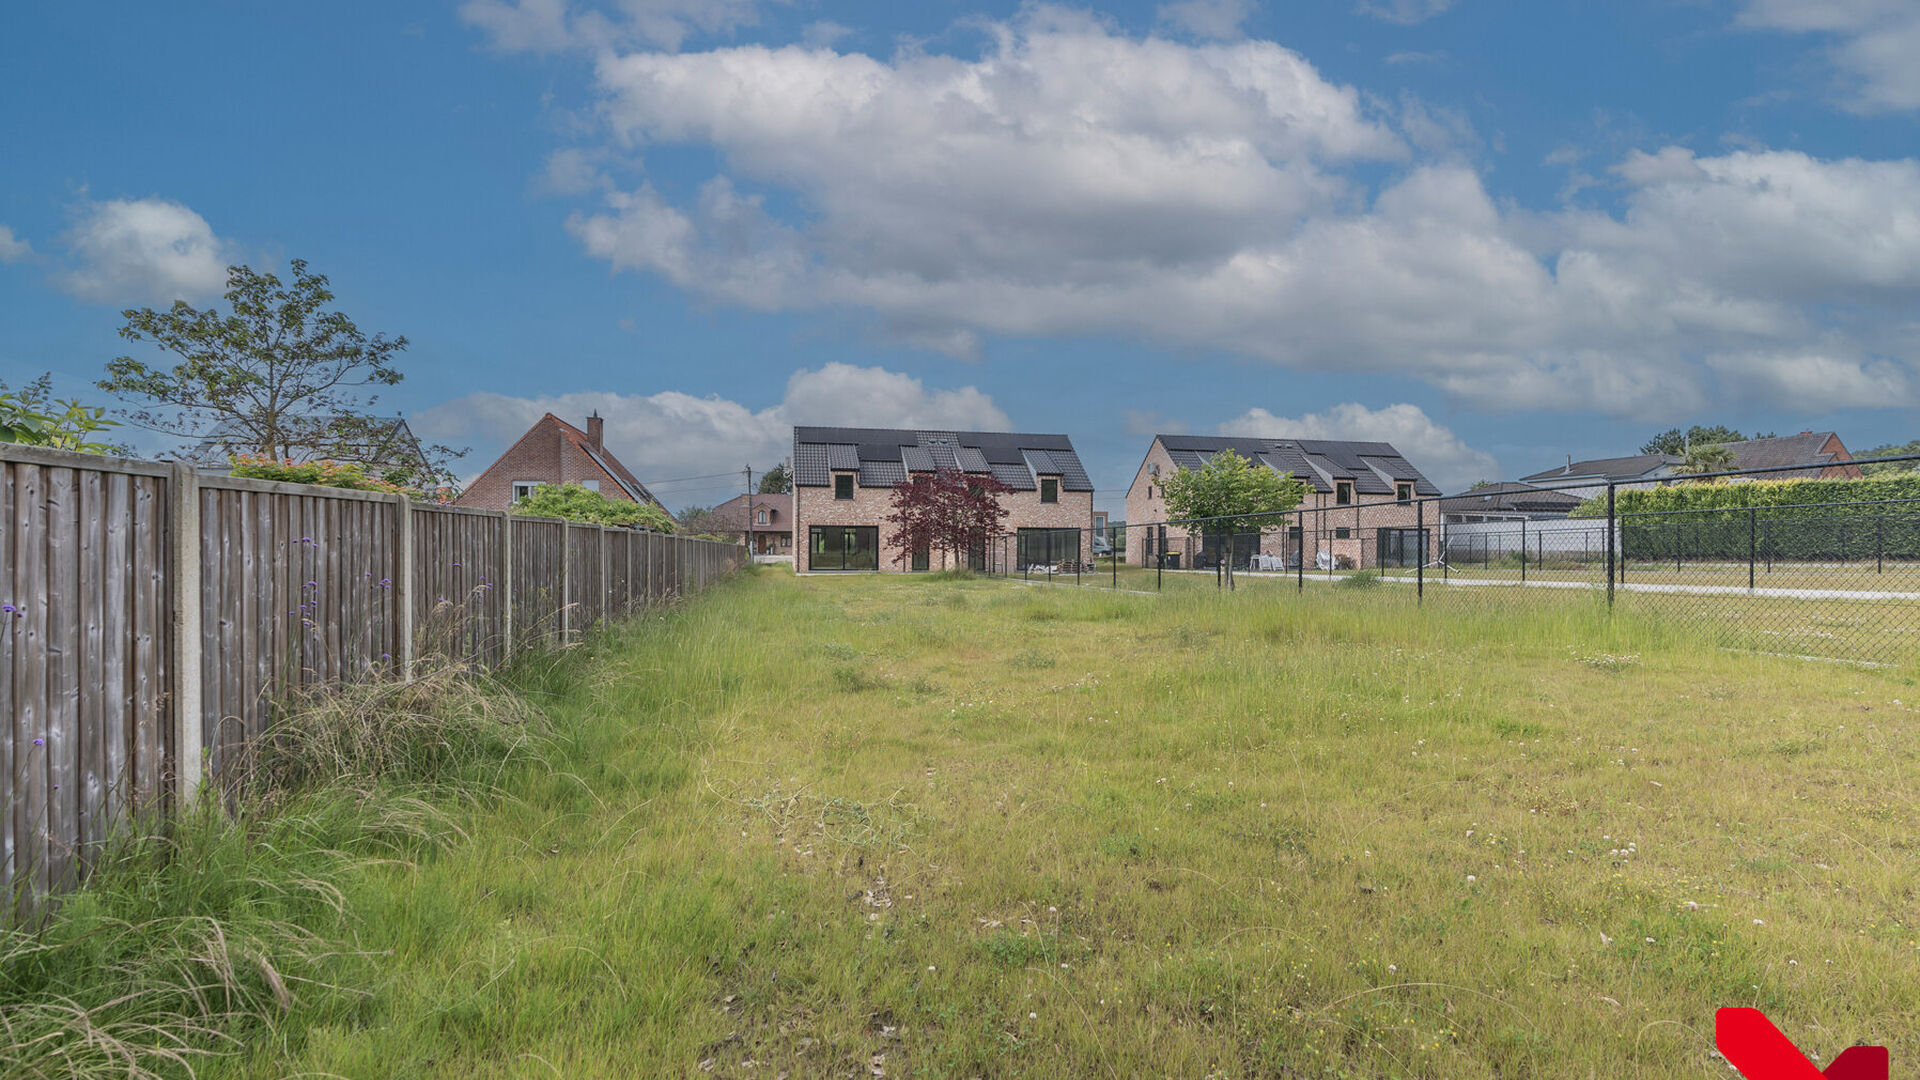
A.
x: 1806, y: 448
x: 1615, y: 468
x: 818, y: 452
x: 1510, y: 497
x: 1315, y: 462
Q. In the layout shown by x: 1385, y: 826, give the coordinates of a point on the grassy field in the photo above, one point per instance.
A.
x: 1879, y: 630
x: 916, y: 826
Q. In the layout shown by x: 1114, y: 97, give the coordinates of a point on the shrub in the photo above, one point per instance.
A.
x: 576, y: 503
x: 1365, y: 579
x: 338, y: 474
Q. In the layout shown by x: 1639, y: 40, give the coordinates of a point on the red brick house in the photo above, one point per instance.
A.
x: 843, y: 481
x: 555, y: 452
x: 767, y: 519
x: 1359, y: 511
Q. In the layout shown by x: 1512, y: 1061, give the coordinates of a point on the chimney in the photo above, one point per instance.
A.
x: 1569, y: 462
x: 597, y: 431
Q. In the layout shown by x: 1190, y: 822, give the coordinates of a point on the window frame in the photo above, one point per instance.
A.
x: 816, y: 557
x: 531, y: 486
x: 838, y: 480
x: 1343, y: 493
x: 1050, y: 489
x: 1403, y: 491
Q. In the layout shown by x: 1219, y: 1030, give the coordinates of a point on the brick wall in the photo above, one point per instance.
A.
x: 870, y: 506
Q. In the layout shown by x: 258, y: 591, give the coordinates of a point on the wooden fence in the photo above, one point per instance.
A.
x: 151, y: 616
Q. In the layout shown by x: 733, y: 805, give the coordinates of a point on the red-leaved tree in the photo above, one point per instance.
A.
x: 948, y: 511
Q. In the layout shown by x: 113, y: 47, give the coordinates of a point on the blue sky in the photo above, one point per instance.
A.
x: 1495, y: 233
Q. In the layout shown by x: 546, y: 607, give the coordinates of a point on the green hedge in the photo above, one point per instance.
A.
x: 1822, y: 520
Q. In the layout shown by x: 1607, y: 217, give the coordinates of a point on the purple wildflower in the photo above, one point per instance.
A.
x: 6, y: 607
x: 39, y: 742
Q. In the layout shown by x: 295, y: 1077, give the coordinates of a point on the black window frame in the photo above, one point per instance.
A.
x: 1049, y: 489
x: 1342, y: 532
x: 817, y: 560
x: 1044, y: 546
x: 843, y: 482
x: 1403, y: 491
x: 1343, y: 493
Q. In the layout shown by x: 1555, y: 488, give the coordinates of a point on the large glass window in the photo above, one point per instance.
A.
x: 843, y: 487
x: 845, y: 547
x: 1047, y: 547
x: 1401, y: 547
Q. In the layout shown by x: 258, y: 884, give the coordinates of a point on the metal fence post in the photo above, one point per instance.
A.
x: 1612, y: 530
x: 1300, y: 553
x: 1753, y: 543
x: 1879, y: 544
x: 184, y: 588
x: 1420, y: 559
x: 1523, y: 551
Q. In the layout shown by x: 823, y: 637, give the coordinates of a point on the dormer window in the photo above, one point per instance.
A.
x: 1403, y: 492
x: 843, y: 487
x: 1343, y: 493
x: 1049, y: 490
x: 762, y: 518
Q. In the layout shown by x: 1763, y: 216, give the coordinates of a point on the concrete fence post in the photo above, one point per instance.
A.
x: 404, y: 587
x: 506, y: 585
x: 184, y: 589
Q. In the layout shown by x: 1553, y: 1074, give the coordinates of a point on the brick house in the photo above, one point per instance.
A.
x: 843, y: 480
x: 1822, y: 452
x: 555, y: 452
x: 1359, y: 509
x: 767, y: 519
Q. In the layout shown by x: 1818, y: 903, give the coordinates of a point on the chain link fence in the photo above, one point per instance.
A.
x: 1827, y: 579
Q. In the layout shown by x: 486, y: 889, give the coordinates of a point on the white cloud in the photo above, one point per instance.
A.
x: 1219, y: 19
x: 550, y: 26
x: 672, y: 435
x: 12, y: 248
x: 1404, y: 12
x: 1433, y: 449
x: 150, y: 250
x: 1875, y: 42
x: 1814, y: 382
x: 1072, y: 181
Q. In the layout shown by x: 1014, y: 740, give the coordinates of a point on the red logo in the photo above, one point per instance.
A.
x: 1754, y: 1046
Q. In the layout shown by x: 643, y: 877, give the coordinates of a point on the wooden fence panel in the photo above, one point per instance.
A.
x: 82, y: 658
x: 298, y: 591
x: 586, y: 599
x: 539, y: 570
x: 459, y: 608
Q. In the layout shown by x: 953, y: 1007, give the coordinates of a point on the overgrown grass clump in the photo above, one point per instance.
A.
x: 236, y: 919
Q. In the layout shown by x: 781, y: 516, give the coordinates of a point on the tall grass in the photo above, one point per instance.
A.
x: 195, y: 935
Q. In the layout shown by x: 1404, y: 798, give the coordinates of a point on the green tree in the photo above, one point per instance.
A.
x: 699, y: 519
x: 576, y: 503
x: 278, y: 374
x: 32, y: 416
x: 776, y: 481
x: 1706, y: 458
x: 1232, y: 494
x: 1675, y: 441
x: 1891, y: 467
